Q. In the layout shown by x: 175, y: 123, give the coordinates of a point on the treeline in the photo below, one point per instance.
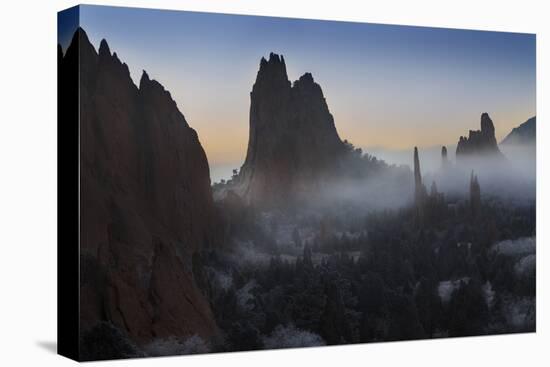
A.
x: 409, y: 282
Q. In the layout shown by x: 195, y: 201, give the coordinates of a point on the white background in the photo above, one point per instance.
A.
x: 28, y: 182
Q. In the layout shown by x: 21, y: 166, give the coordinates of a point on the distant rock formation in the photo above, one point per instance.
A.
x: 420, y: 192
x: 524, y: 134
x: 475, y: 195
x: 479, y: 142
x: 292, y: 139
x: 146, y: 201
x: 419, y: 188
x: 444, y: 158
x: 428, y: 207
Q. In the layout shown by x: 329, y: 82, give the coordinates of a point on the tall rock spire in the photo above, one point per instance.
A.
x: 444, y: 158
x: 292, y: 142
x: 420, y: 192
x: 475, y: 195
x: 417, y: 174
x: 479, y: 142
x: 487, y: 126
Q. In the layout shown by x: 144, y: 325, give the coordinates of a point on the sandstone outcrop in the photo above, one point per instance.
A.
x: 444, y: 158
x: 146, y: 202
x: 524, y: 134
x: 420, y: 192
x: 293, y: 141
x: 479, y: 142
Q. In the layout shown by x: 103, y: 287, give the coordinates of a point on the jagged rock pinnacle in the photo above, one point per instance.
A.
x: 444, y: 157
x: 81, y: 35
x: 479, y: 142
x: 292, y: 136
x: 417, y: 174
x: 272, y: 72
x: 307, y: 78
x: 145, y: 76
x: 487, y: 127
x: 273, y: 57
x: 420, y: 192
x: 104, y: 48
x: 144, y: 80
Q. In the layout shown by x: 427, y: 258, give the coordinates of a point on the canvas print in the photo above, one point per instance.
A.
x: 249, y: 183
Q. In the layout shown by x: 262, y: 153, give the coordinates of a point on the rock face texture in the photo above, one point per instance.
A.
x: 293, y: 140
x: 479, y: 142
x: 146, y: 201
x: 524, y: 134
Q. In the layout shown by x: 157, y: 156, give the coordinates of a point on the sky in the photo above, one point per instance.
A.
x: 388, y: 87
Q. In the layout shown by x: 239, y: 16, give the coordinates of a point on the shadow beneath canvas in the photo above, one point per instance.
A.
x: 50, y: 346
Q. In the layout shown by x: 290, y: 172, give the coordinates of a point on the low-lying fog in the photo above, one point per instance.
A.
x: 522, y: 156
x: 340, y: 228
x: 512, y: 178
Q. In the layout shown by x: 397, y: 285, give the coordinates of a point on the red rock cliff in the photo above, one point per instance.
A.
x: 146, y: 201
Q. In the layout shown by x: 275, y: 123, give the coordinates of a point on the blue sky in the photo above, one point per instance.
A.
x: 387, y: 86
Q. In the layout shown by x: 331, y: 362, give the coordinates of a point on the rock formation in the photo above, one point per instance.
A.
x: 419, y: 188
x: 146, y: 201
x: 292, y: 139
x: 479, y: 142
x: 444, y: 158
x: 475, y: 195
x: 420, y: 192
x: 524, y: 134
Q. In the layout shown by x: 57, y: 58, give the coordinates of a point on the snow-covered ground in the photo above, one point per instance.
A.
x: 520, y: 246
x: 447, y: 287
